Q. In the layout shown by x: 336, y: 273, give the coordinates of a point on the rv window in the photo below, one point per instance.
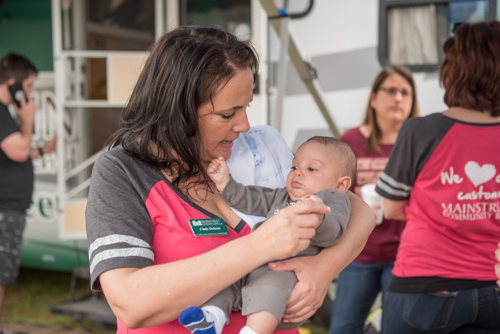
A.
x: 126, y: 25
x: 412, y: 32
x: 233, y: 15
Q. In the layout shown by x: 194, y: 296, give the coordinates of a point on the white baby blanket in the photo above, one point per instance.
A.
x: 260, y: 157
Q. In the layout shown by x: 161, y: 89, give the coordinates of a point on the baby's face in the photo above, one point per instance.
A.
x: 313, y: 169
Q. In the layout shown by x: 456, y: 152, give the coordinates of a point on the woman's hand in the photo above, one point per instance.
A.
x: 289, y: 231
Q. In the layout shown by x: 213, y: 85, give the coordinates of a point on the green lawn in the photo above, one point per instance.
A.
x: 29, y: 300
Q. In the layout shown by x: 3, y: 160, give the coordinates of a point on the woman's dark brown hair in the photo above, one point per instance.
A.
x: 470, y: 73
x: 372, y: 142
x: 185, y: 69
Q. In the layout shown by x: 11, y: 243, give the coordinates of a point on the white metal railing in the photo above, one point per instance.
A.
x: 44, y: 130
x: 82, y: 166
x: 76, y: 190
x: 45, y: 127
x: 78, y: 101
x: 74, y: 99
x: 68, y: 95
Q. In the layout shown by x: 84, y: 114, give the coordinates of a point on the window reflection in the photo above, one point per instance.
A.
x: 234, y: 15
x: 416, y: 34
x: 120, y: 24
x: 467, y: 11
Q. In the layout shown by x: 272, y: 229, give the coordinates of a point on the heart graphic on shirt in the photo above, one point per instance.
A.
x: 479, y: 174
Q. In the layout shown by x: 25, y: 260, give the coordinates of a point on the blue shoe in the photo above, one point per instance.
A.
x: 194, y: 320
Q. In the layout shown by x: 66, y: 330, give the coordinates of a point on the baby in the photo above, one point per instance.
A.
x: 322, y: 166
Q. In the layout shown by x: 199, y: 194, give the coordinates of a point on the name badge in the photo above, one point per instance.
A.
x: 208, y: 227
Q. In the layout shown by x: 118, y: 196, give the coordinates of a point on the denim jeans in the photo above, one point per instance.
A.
x: 357, y: 287
x: 474, y: 311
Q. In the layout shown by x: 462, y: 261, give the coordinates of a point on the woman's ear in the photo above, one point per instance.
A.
x: 344, y: 183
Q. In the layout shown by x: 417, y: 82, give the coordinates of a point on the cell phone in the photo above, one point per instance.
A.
x: 15, y: 90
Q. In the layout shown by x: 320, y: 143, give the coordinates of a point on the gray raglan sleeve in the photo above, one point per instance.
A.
x: 119, y: 229
x: 252, y: 200
x: 335, y: 222
x: 417, y: 140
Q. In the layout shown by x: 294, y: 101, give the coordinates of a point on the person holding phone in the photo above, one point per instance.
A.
x: 17, y: 75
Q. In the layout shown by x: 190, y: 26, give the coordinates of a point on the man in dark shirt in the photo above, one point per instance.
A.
x: 17, y: 75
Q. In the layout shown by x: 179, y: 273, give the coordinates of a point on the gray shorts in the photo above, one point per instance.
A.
x: 11, y: 236
x: 261, y: 290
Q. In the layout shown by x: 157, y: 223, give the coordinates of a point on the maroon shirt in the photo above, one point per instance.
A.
x: 382, y: 245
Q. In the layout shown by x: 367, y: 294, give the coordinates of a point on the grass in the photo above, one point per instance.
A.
x: 29, y: 300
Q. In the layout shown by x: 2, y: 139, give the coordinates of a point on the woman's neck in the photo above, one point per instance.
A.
x: 389, y: 132
x: 471, y: 115
x: 206, y: 197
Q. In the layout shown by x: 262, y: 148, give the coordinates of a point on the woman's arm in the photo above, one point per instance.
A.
x: 157, y: 294
x: 315, y: 273
x: 394, y: 209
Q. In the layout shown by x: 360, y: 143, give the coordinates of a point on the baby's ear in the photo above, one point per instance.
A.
x: 344, y: 183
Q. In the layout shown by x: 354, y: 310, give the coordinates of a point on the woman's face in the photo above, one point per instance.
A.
x: 222, y: 123
x: 392, y: 102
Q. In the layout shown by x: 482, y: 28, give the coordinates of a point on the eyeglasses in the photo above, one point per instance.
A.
x: 394, y: 91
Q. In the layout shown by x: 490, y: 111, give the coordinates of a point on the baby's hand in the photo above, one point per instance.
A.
x: 218, y: 171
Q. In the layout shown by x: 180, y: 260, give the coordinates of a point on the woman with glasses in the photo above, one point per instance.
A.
x: 443, y: 178
x: 392, y: 101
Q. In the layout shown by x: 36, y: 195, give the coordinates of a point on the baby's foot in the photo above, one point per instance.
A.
x: 193, y: 318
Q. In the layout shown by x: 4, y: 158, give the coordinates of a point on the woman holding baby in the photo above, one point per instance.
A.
x: 150, y: 191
